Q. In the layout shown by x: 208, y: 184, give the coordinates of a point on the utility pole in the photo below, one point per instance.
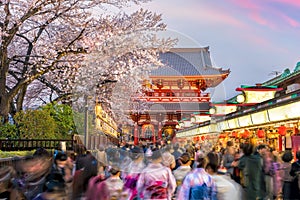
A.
x: 86, y: 126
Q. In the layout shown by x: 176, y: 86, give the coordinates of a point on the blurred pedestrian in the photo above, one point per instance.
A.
x: 101, y: 155
x: 226, y: 187
x: 114, y: 183
x: 287, y: 179
x: 228, y: 157
x: 86, y: 168
x: 295, y: 173
x: 181, y: 172
x: 198, y: 184
x: 132, y: 172
x: 168, y: 159
x: 55, y: 188
x: 156, y: 181
x: 252, y: 174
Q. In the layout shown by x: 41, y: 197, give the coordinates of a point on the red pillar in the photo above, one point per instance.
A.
x: 280, y: 140
x: 136, y: 139
x: 154, y: 138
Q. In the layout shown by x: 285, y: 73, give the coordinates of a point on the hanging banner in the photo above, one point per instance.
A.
x: 260, y: 117
x: 245, y: 121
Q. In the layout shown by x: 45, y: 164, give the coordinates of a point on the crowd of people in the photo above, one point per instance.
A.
x: 152, y: 171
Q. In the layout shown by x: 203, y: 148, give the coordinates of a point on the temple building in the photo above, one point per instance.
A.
x: 176, y: 93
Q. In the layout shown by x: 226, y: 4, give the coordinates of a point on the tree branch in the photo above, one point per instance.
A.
x: 13, y: 74
x: 62, y: 97
x: 43, y: 80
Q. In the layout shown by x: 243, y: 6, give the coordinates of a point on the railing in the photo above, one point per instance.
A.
x: 32, y: 144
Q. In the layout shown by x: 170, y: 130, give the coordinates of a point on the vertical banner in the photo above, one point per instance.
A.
x: 295, y: 144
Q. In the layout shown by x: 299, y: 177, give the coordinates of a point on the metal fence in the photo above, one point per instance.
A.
x: 32, y: 144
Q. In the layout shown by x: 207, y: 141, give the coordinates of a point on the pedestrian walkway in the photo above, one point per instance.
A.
x: 172, y: 171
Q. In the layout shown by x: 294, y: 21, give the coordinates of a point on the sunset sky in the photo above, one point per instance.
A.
x: 253, y: 38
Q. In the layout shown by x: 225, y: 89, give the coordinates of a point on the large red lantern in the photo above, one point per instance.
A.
x: 282, y: 130
x: 246, y: 134
x: 202, y: 137
x: 234, y: 134
x: 260, y: 133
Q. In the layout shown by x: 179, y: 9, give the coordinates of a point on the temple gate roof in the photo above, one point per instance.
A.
x: 187, y: 62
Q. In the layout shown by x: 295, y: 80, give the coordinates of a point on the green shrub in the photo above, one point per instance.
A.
x: 36, y: 124
x: 8, y: 130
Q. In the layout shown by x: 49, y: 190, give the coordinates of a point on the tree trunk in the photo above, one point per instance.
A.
x: 4, y: 98
x: 4, y: 107
x: 20, y: 98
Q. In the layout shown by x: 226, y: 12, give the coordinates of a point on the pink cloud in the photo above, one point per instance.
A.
x: 291, y: 21
x: 255, y: 11
x: 258, y: 19
x: 223, y: 18
x: 247, y: 4
x: 263, y: 13
x: 207, y: 14
x: 290, y: 2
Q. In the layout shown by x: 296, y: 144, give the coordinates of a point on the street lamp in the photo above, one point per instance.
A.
x: 212, y: 110
x: 86, y: 118
x: 240, y: 98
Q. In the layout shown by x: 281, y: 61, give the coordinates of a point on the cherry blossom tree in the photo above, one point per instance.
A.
x: 47, y: 44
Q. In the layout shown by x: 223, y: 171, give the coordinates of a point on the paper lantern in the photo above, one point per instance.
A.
x: 282, y: 130
x: 234, y: 134
x: 246, y: 134
x: 202, y: 137
x: 260, y: 133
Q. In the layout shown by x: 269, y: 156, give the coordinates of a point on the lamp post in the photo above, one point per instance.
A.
x: 86, y: 120
x: 86, y: 126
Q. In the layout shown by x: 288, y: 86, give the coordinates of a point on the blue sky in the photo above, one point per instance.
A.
x: 251, y: 37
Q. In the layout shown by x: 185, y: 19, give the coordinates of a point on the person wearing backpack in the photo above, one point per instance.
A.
x: 156, y: 181
x: 295, y: 173
x: 198, y: 184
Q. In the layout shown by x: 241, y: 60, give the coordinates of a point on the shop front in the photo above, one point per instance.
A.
x: 273, y: 122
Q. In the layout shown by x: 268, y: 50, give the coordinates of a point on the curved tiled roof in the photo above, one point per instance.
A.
x: 187, y: 62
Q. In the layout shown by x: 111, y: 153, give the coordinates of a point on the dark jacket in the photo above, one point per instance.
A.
x: 252, y: 176
x: 295, y: 193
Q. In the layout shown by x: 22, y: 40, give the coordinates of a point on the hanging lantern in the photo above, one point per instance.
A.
x: 202, y: 137
x: 282, y: 130
x: 246, y: 134
x: 234, y: 134
x: 260, y: 133
x: 195, y: 139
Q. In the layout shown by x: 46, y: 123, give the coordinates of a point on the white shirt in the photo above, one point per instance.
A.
x: 226, y: 190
